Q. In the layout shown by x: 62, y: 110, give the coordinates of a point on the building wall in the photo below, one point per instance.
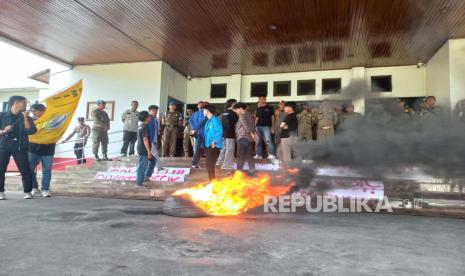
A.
x: 457, y: 70
x: 407, y: 81
x: 121, y: 83
x: 438, y: 76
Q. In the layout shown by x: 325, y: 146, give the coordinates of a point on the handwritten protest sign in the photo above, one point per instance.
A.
x: 171, y: 175
x: 347, y: 188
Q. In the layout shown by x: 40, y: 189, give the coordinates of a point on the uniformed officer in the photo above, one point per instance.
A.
x: 171, y: 121
x: 326, y: 120
x: 349, y: 117
x: 188, y: 140
x: 305, y: 124
x: 100, y: 130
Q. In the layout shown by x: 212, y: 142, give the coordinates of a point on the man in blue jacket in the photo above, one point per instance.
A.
x: 152, y: 128
x: 213, y: 133
x: 197, y: 122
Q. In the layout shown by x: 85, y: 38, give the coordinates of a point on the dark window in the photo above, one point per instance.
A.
x: 331, y: 86
x: 305, y: 87
x: 218, y: 90
x: 381, y: 84
x: 258, y: 89
x: 282, y: 88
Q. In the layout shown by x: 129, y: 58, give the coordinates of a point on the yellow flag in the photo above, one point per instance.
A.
x: 58, y: 115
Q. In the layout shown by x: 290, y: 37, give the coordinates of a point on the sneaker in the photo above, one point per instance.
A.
x: 34, y: 192
x: 271, y: 157
x: 27, y: 196
x: 46, y: 194
x: 258, y: 157
x: 195, y: 166
x: 2, y: 196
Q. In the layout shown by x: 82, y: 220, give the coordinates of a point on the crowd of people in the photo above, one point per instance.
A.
x: 234, y: 133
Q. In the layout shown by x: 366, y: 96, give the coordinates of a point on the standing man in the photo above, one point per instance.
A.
x: 43, y: 154
x: 245, y: 133
x: 15, y: 126
x: 83, y: 133
x: 430, y: 110
x: 100, y: 130
x: 279, y: 114
x: 143, y: 149
x: 171, y: 122
x: 188, y: 139
x: 305, y: 120
x: 213, y: 139
x: 228, y: 121
x: 264, y: 121
x: 289, y: 132
x: 326, y: 120
x: 130, y: 120
x: 197, y: 122
x: 153, y: 131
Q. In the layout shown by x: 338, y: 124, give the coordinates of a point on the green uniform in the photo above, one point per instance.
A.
x: 305, y: 120
x: 326, y: 120
x: 100, y: 131
x: 188, y: 140
x: 170, y: 133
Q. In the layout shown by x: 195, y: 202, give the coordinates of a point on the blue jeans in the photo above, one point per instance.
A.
x: 142, y: 167
x: 198, y: 146
x: 264, y: 133
x: 46, y: 161
x: 152, y: 162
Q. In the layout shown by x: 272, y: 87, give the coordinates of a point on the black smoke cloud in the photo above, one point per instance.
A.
x: 389, y: 140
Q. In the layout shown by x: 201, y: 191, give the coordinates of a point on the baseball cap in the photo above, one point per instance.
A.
x: 101, y: 102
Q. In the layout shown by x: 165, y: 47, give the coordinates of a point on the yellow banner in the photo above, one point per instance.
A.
x: 58, y: 115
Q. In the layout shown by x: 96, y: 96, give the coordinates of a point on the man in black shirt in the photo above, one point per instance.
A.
x: 228, y: 119
x: 289, y: 132
x: 264, y: 121
x: 143, y: 148
x: 15, y: 126
x: 43, y: 154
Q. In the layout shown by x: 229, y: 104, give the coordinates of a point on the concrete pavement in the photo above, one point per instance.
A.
x: 89, y: 236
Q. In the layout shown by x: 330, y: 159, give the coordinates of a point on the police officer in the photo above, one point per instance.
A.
x: 326, y: 120
x: 188, y: 140
x: 100, y: 130
x: 171, y: 121
x: 305, y: 124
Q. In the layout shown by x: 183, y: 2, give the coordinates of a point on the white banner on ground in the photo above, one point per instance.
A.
x: 166, y: 170
x: 122, y: 176
x: 172, y: 175
x: 260, y: 166
x: 348, y: 188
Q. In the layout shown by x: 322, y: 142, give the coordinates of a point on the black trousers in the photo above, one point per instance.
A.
x: 245, y: 153
x: 22, y: 162
x: 212, y: 157
x: 129, y: 140
x: 79, y: 152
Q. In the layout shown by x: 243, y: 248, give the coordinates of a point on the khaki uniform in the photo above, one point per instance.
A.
x: 326, y: 120
x: 100, y: 131
x: 187, y: 140
x: 170, y: 133
x: 305, y: 120
x: 432, y: 116
x: 348, y: 119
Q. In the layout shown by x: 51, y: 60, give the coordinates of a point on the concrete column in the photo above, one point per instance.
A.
x: 358, y: 76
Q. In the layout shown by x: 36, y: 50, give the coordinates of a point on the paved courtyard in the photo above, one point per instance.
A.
x: 88, y: 236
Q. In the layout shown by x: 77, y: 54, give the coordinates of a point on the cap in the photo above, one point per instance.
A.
x: 81, y: 119
x: 101, y: 102
x: 172, y: 103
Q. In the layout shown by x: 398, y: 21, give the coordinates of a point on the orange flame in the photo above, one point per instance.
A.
x: 233, y: 194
